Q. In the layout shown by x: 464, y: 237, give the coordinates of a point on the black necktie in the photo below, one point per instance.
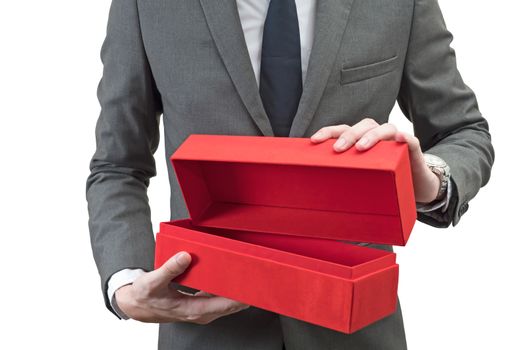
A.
x: 281, y: 83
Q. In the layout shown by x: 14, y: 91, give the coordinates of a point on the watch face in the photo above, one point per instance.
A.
x: 434, y: 161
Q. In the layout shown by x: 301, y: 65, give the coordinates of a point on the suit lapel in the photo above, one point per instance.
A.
x: 225, y: 27
x: 330, y: 23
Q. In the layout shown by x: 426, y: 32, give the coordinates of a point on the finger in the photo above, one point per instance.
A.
x: 416, y: 155
x: 172, y: 268
x: 426, y: 184
x: 329, y: 132
x: 203, y: 307
x: 410, y: 140
x: 385, y: 131
x: 353, y: 134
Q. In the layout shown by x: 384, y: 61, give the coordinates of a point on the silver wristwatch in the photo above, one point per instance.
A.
x: 442, y: 170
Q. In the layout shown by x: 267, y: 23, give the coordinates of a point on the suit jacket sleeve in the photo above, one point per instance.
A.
x: 127, y: 134
x: 444, y: 111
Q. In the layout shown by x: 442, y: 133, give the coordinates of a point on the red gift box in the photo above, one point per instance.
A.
x: 270, y: 218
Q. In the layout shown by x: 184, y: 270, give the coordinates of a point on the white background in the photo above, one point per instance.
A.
x: 461, y: 288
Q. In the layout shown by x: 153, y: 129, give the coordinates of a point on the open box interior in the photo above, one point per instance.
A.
x: 336, y: 258
x: 300, y: 200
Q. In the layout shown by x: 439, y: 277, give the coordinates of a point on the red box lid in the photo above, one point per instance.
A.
x: 294, y: 187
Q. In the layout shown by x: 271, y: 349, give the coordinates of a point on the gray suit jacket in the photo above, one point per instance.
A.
x: 187, y: 61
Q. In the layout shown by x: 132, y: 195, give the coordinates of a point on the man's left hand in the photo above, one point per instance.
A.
x: 365, y: 134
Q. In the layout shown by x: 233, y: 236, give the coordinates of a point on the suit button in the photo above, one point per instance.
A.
x: 463, y: 208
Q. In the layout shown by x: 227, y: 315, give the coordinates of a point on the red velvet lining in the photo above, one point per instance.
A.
x: 293, y: 187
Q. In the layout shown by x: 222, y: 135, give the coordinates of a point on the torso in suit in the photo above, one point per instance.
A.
x: 187, y: 60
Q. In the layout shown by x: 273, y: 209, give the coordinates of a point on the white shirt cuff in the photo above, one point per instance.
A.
x: 120, y: 279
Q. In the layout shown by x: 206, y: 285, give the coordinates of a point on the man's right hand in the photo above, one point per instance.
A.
x: 151, y: 298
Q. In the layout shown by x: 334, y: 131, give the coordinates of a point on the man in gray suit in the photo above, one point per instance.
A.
x: 320, y: 69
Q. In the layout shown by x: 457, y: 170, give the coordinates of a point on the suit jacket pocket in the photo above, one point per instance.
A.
x: 355, y: 74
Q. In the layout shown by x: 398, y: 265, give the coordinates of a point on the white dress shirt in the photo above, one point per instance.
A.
x: 252, y: 14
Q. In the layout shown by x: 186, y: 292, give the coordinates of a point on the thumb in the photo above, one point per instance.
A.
x: 172, y: 268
